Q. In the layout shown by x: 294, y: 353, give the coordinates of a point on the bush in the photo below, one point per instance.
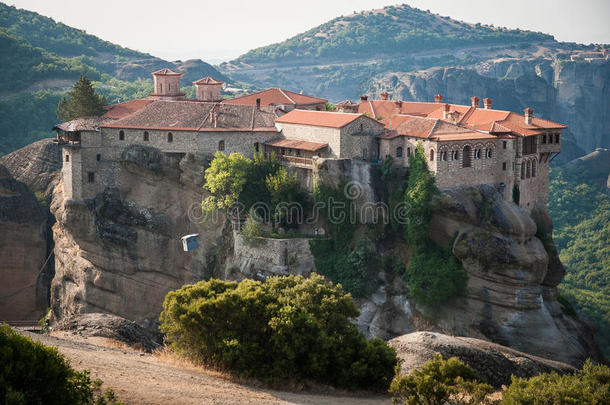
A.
x: 439, y: 381
x: 252, y: 229
x: 285, y: 328
x: 32, y: 373
x: 591, y: 385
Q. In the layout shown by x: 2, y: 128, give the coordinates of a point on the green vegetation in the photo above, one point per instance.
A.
x: 82, y: 101
x: 580, y: 208
x: 285, y: 189
x: 591, y: 385
x: 287, y: 328
x: 434, y: 276
x: 396, y: 30
x: 439, y: 381
x: 32, y: 373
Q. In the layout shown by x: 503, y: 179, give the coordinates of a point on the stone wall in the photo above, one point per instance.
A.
x: 358, y: 138
x: 331, y: 136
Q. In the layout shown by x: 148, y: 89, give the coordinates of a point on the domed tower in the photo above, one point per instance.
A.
x: 166, y: 84
x: 208, y: 89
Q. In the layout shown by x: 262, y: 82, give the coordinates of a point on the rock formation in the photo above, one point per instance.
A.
x: 573, y: 93
x: 120, y: 253
x: 493, y: 362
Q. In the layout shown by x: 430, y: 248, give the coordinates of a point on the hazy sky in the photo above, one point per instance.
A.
x: 223, y: 29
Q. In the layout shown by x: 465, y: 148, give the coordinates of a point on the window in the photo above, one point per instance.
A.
x: 466, y: 157
x: 528, y: 170
x: 455, y: 155
x: 556, y: 138
x: 145, y: 136
x: 543, y: 138
x: 170, y: 137
x: 408, y: 151
x: 361, y: 128
x: 522, y: 170
x: 444, y: 156
x: 477, y: 153
x: 431, y: 155
x: 121, y: 135
x: 533, y: 168
x: 283, y: 151
x: 90, y: 177
x: 504, y: 166
x: 169, y: 87
x: 67, y: 158
x: 256, y: 147
x: 221, y: 145
x: 399, y: 152
x: 98, y: 157
x: 488, y: 153
x: 160, y: 88
x: 298, y: 152
x: 503, y: 144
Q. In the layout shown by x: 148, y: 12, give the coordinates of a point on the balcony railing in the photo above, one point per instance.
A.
x: 297, y: 160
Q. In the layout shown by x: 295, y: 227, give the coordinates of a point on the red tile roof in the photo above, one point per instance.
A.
x: 126, y: 108
x: 320, y: 118
x: 276, y: 96
x: 296, y: 144
x: 430, y: 128
x: 207, y: 80
x: 167, y: 72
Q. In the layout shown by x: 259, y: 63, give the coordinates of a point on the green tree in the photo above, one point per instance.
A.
x: 82, y: 101
x: 285, y: 190
x: 283, y: 329
x: 225, y: 179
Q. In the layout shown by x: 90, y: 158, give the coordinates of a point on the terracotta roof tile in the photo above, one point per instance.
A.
x: 126, y: 108
x: 167, y: 72
x: 319, y: 118
x: 208, y: 80
x: 276, y: 96
x: 83, y: 124
x: 296, y: 144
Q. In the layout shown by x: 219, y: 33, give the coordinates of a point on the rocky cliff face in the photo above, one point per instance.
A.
x: 513, y: 270
x: 573, y: 93
x: 25, y: 241
x: 120, y: 253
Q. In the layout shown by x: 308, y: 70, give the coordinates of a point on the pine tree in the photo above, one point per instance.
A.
x: 82, y: 101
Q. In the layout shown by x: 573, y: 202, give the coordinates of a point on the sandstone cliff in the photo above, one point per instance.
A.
x: 573, y: 93
x: 120, y: 253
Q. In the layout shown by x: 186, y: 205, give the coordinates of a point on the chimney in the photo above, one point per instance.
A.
x: 384, y: 95
x: 364, y: 97
x: 529, y: 113
x: 438, y: 98
x: 446, y: 111
x: 258, y: 103
x: 487, y: 103
x: 398, y: 103
x: 474, y: 102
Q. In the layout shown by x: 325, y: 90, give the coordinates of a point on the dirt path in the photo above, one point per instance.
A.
x: 140, y: 378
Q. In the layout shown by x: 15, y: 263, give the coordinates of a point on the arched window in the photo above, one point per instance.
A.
x: 477, y: 153
x: 466, y: 162
x: 170, y: 137
x: 522, y: 171
x: 121, y: 135
x: 431, y: 155
x: 145, y: 136
x: 533, y: 168
x: 455, y: 155
x: 399, y: 152
x: 221, y: 145
x: 67, y: 158
x: 528, y: 170
x: 444, y: 156
x: 488, y: 153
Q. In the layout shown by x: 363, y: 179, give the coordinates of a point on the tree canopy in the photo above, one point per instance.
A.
x: 82, y: 101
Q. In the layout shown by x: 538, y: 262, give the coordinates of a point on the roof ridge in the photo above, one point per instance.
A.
x: 372, y: 109
x: 467, y: 114
x: 436, y: 121
x: 287, y: 96
x: 253, y: 115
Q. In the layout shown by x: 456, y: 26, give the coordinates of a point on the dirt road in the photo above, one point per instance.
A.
x: 140, y: 378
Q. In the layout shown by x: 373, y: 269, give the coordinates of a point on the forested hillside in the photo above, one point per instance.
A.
x: 392, y: 30
x: 580, y: 206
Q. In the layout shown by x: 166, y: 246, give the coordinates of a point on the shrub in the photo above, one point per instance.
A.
x: 591, y: 385
x: 32, y: 373
x: 287, y: 198
x: 284, y: 328
x: 252, y: 229
x: 434, y: 276
x: 439, y: 381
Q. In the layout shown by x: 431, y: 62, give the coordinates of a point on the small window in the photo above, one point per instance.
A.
x: 444, y: 156
x: 408, y: 151
x: 431, y: 155
x: 221, y: 145
x: 98, y: 157
x: 145, y: 136
x: 504, y: 166
x: 550, y: 138
x: 67, y: 158
x: 543, y: 138
x: 121, y: 135
x: 298, y: 152
x: 91, y: 177
x: 160, y: 88
x: 170, y: 137
x: 169, y: 87
x: 361, y: 128
x: 477, y: 153
x: 503, y: 144
x: 455, y: 155
x: 256, y: 147
x: 488, y: 154
x: 556, y: 138
x: 283, y: 151
x: 399, y: 152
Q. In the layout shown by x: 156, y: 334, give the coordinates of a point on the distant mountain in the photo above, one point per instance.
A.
x: 389, y: 31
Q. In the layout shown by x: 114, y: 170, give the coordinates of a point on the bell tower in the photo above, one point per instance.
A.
x: 166, y: 84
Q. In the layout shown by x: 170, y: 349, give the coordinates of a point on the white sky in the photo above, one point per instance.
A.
x: 224, y: 29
